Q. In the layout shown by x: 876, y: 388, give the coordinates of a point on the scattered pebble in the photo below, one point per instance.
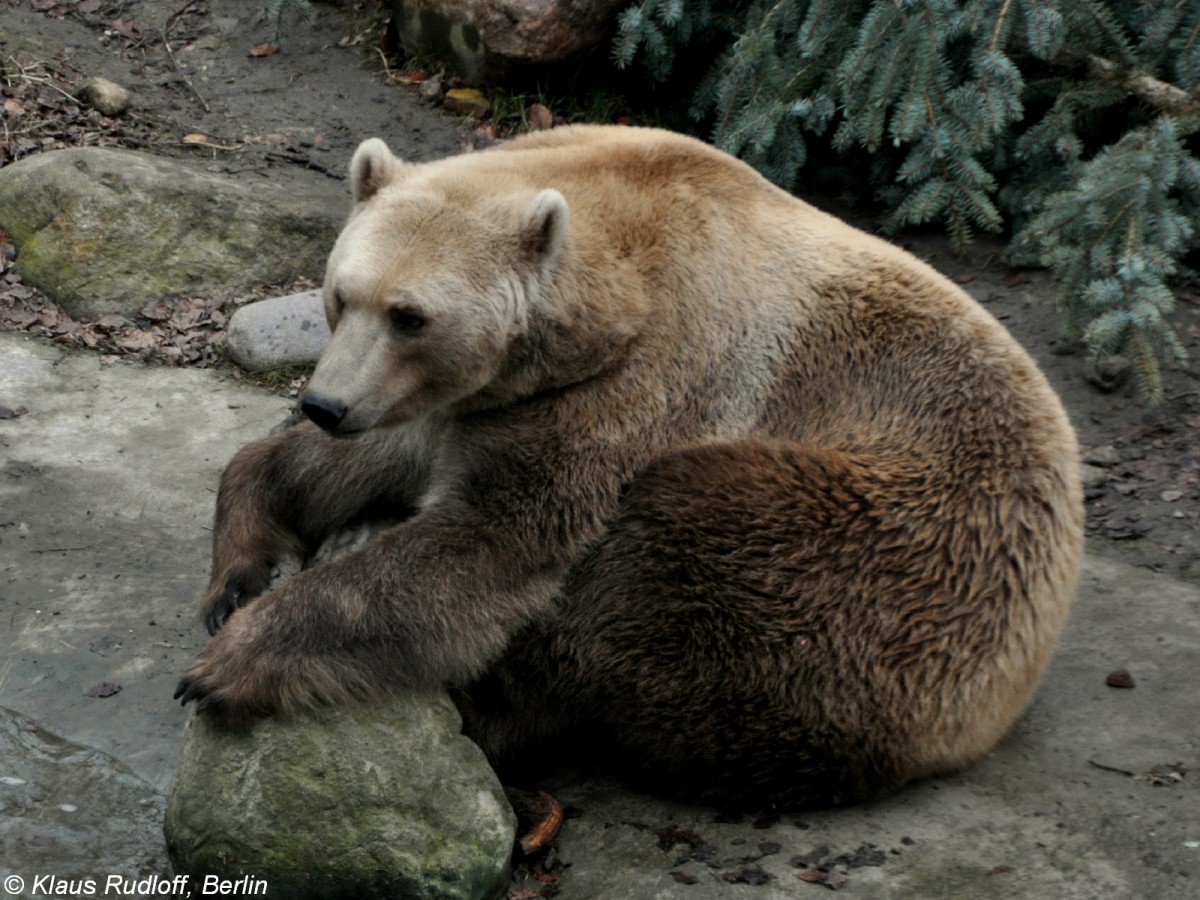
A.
x: 1102, y: 456
x: 1109, y: 374
x: 1119, y: 679
x: 106, y: 97
x: 431, y: 89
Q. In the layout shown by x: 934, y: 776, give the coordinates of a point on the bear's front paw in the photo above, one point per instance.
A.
x: 231, y: 679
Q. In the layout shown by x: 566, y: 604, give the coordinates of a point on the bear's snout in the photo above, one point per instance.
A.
x: 326, y: 413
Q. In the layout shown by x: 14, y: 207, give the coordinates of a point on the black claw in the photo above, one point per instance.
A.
x: 230, y: 600
x: 188, y: 692
x: 214, y: 622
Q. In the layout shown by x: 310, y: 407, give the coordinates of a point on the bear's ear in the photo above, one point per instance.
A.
x: 544, y: 228
x: 372, y: 167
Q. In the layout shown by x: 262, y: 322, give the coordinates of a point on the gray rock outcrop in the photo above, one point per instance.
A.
x: 66, y: 806
x: 484, y: 38
x: 387, y: 801
x: 280, y: 331
x: 105, y: 231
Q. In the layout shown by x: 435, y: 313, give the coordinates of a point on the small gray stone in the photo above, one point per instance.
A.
x: 1102, y: 456
x: 1094, y: 478
x: 370, y: 802
x: 106, y: 97
x: 431, y: 89
x: 281, y: 331
x: 1108, y: 374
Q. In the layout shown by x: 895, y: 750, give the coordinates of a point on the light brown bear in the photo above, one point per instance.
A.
x: 759, y: 504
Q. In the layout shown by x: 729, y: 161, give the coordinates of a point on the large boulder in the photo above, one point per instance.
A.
x: 387, y: 801
x: 482, y: 38
x: 105, y: 231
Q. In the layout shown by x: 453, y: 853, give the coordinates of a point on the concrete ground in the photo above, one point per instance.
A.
x: 106, y: 494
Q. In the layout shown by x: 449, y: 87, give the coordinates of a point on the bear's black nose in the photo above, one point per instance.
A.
x: 324, y: 412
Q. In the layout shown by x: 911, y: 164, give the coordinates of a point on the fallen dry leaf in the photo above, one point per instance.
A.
x: 833, y: 879
x: 110, y: 323
x: 157, y: 310
x: 134, y: 340
x: 755, y: 875
x: 540, y: 117
x: 267, y: 49
x: 130, y: 29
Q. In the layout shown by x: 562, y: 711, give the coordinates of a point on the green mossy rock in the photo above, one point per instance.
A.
x: 105, y: 231
x: 388, y: 801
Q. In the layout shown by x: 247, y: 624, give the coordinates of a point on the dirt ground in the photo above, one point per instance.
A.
x: 297, y: 114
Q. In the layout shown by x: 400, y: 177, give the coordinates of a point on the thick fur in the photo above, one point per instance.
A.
x: 760, y: 504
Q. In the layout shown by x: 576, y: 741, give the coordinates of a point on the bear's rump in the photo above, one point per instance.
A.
x: 756, y: 625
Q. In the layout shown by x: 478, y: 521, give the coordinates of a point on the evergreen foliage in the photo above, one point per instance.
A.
x: 1066, y: 121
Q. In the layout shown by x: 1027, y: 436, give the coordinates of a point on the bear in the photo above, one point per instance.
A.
x: 756, y: 507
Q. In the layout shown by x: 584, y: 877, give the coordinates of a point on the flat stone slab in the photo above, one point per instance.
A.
x: 278, y: 332
x: 106, y: 493
x: 63, y: 807
x: 107, y: 490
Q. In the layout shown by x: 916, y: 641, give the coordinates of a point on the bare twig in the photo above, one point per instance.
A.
x: 387, y: 70
x: 178, y: 68
x: 23, y: 75
x: 307, y: 163
x: 209, y: 145
x: 176, y: 16
x: 1126, y: 772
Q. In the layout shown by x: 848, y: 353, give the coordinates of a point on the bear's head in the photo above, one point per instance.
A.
x: 429, y: 290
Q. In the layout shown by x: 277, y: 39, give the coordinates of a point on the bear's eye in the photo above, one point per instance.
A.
x: 339, y: 302
x: 405, y: 321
